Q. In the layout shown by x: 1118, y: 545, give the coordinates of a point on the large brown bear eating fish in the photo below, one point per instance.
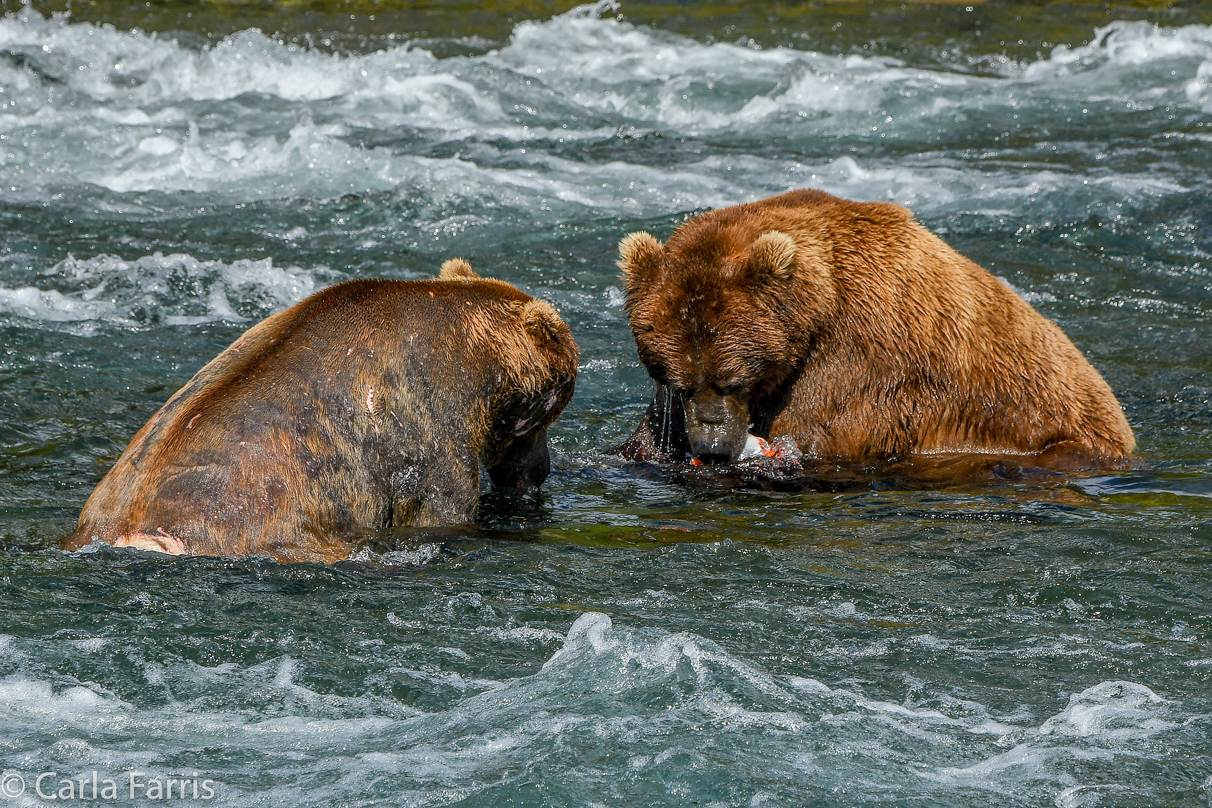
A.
x: 371, y: 404
x: 851, y: 331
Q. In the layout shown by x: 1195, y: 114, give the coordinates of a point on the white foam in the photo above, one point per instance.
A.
x: 526, y: 635
x: 1023, y: 763
x: 143, y: 114
x: 309, y: 160
x: 1118, y: 711
x: 1106, y: 720
x: 573, y: 57
x: 91, y: 645
x: 590, y: 629
x: 51, y: 305
x: 132, y: 68
x: 159, y: 289
x: 1086, y: 796
x: 607, y: 686
x: 1124, y: 48
x: 28, y: 699
x: 285, y: 674
x: 417, y: 556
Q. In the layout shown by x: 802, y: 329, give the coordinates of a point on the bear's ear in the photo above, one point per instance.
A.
x: 456, y: 269
x: 639, y: 257
x: 772, y: 256
x: 542, y: 323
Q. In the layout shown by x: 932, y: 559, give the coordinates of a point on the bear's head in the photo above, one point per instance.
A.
x: 537, y: 360
x: 723, y: 316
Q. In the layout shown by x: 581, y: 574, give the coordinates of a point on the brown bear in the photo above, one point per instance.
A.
x: 370, y: 404
x: 853, y: 331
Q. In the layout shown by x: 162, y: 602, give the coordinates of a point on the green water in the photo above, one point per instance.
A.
x: 622, y: 639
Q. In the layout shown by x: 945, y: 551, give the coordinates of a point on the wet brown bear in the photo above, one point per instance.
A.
x: 370, y: 404
x: 854, y: 331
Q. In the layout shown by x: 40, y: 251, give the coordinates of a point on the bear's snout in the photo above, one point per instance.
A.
x: 525, y: 465
x: 712, y: 449
x: 715, y: 427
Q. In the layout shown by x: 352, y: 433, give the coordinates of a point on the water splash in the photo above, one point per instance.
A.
x: 606, y: 687
x: 254, y: 118
x: 160, y: 289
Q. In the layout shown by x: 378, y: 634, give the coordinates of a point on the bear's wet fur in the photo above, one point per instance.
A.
x: 371, y: 404
x: 858, y: 333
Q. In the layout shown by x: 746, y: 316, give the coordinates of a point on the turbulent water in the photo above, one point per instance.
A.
x: 623, y: 640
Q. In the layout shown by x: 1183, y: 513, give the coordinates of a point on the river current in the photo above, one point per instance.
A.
x: 623, y: 639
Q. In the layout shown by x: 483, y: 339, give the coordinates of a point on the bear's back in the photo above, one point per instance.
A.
x: 323, y: 337
x: 287, y: 418
x: 987, y: 371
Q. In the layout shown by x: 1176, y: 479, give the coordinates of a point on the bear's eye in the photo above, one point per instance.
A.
x: 734, y: 388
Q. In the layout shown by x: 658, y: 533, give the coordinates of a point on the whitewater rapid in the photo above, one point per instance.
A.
x: 581, y: 118
x: 636, y: 691
x: 253, y: 118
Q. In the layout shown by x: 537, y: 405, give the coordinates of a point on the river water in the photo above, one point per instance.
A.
x: 623, y: 640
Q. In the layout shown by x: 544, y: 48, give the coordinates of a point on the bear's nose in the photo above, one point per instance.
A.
x: 717, y: 450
